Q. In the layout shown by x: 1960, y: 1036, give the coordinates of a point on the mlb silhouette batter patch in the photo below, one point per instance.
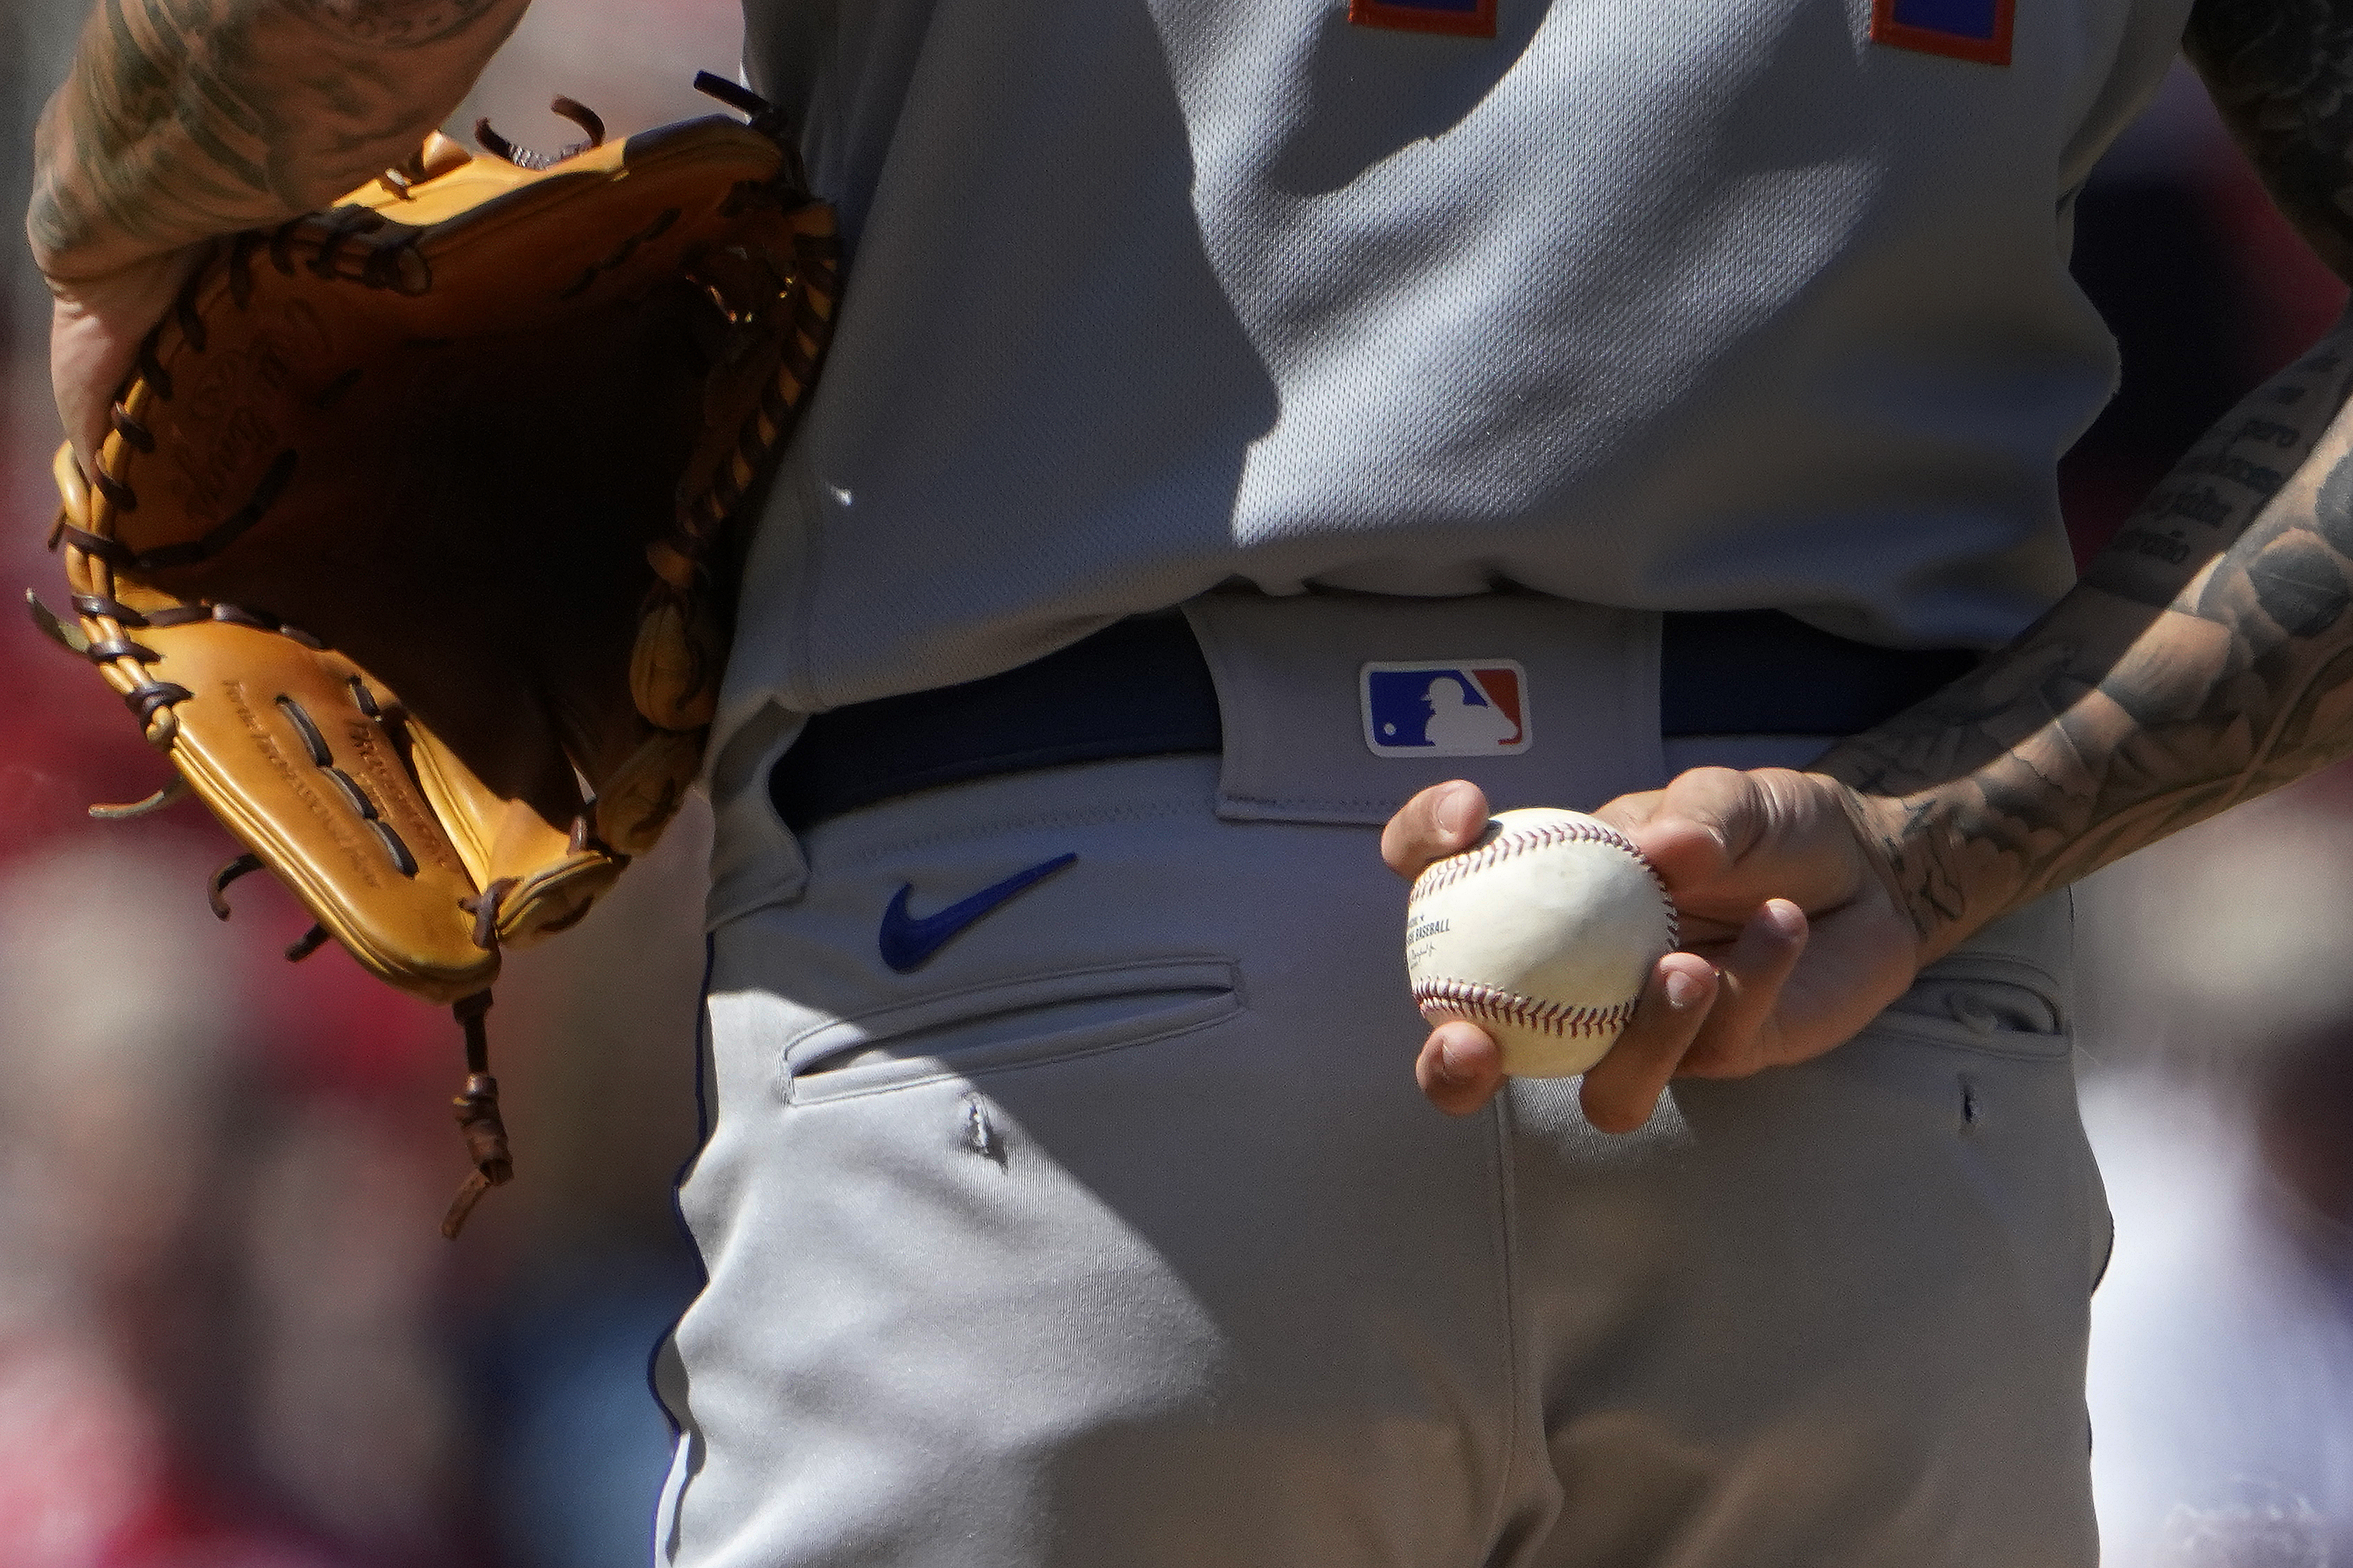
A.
x: 1445, y: 708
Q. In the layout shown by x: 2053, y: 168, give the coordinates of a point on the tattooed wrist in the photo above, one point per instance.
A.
x: 186, y: 119
x: 2208, y: 654
x: 399, y: 24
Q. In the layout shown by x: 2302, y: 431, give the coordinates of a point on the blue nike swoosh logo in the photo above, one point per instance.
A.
x: 909, y: 944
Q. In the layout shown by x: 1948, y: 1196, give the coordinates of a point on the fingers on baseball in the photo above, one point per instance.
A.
x: 1690, y: 832
x: 1444, y: 819
x: 1623, y: 1088
x: 1723, y: 840
x: 1459, y: 1068
x: 1706, y: 811
x: 1742, y: 1031
x: 1857, y: 961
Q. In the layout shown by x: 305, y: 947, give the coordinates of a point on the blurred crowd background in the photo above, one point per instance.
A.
x: 230, y: 1336
x: 230, y: 1333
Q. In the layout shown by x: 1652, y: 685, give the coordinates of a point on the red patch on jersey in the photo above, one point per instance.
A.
x: 1975, y: 30
x: 1463, y: 18
x: 1501, y: 685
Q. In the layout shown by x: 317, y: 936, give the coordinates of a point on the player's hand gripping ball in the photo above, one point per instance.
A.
x: 1542, y: 933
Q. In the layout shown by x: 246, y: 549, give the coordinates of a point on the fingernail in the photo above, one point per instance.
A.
x: 1683, y: 990
x: 1454, y: 810
x: 1449, y: 1065
x: 1786, y: 918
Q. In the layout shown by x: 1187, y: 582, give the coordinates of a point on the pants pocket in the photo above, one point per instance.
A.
x: 2020, y: 1013
x: 1005, y: 1026
x: 2008, y: 992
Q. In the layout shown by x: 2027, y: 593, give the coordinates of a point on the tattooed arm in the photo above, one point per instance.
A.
x: 184, y: 119
x: 2206, y: 657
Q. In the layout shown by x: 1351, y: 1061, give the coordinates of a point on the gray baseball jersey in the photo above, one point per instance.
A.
x: 1089, y: 1215
x: 1654, y: 306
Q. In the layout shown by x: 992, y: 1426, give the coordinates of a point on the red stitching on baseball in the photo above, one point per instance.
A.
x: 1520, y: 840
x: 1441, y: 999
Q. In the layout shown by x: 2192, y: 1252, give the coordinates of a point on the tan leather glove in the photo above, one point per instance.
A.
x: 415, y: 516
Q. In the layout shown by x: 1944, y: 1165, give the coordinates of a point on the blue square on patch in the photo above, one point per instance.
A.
x: 1957, y: 18
x: 1445, y: 708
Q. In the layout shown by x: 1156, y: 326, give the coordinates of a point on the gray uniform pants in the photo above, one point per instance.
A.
x: 1117, y: 1233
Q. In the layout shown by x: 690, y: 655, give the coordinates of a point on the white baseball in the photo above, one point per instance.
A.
x: 1542, y: 933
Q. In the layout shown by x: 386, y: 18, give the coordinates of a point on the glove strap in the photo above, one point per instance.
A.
x: 478, y: 1117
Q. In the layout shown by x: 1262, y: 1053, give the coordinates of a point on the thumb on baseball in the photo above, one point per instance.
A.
x: 1444, y: 819
x: 1460, y: 1068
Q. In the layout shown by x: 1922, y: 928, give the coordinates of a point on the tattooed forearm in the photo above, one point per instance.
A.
x: 186, y: 119
x: 2282, y: 73
x: 2206, y: 657
x: 400, y: 24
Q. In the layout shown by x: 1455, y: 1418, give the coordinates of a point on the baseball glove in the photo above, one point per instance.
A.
x: 410, y: 544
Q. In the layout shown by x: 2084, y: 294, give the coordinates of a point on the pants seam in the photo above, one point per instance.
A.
x: 1507, y: 1298
x: 840, y: 859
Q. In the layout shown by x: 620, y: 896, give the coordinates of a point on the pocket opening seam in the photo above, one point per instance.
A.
x: 1995, y: 969
x: 1173, y: 973
x: 1049, y: 988
x: 1227, y: 1006
x: 1928, y: 1030
x: 857, y: 856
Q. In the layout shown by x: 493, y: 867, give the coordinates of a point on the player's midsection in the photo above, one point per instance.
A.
x: 1104, y: 845
x: 1336, y: 708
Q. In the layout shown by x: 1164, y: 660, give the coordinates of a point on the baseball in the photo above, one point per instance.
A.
x: 1542, y: 933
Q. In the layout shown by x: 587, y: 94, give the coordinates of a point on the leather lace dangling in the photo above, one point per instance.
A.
x: 478, y: 1117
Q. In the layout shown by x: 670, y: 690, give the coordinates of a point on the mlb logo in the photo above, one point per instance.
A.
x: 1460, y: 708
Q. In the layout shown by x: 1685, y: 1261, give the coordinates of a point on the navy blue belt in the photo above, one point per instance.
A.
x: 1141, y: 689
